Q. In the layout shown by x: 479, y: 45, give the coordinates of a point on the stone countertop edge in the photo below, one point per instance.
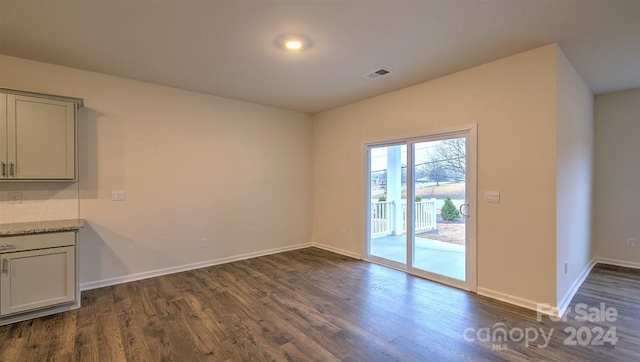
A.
x: 39, y: 227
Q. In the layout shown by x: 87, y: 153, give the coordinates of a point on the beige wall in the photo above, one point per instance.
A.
x: 617, y: 176
x: 574, y: 175
x: 513, y: 101
x: 192, y: 165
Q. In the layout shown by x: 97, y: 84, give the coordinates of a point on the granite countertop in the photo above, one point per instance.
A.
x: 37, y: 227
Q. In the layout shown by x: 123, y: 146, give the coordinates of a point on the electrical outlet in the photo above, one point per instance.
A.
x: 566, y: 267
x: 15, y: 197
x: 204, y: 242
x: 631, y: 243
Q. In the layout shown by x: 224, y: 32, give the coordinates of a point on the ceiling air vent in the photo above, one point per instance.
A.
x: 377, y: 73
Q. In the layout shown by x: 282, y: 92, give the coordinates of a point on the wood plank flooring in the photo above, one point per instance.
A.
x: 311, y: 304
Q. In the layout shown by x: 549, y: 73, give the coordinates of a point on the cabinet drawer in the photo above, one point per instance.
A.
x: 36, y: 241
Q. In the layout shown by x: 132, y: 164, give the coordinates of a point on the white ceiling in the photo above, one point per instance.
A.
x: 227, y: 48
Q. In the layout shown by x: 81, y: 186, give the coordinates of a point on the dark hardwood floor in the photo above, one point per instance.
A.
x: 315, y: 305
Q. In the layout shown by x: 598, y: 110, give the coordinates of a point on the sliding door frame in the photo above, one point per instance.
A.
x: 470, y: 132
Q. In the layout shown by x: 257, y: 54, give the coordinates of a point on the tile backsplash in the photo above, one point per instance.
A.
x: 39, y: 201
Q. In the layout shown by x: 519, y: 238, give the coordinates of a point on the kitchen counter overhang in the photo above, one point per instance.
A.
x: 40, y: 227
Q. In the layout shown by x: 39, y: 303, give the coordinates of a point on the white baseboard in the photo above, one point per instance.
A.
x: 511, y: 299
x: 566, y: 299
x: 568, y: 296
x: 181, y: 268
x: 552, y: 310
x: 337, y: 250
x: 623, y: 263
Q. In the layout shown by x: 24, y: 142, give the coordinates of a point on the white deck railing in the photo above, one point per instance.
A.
x: 424, y: 215
x: 383, y: 212
x: 381, y: 218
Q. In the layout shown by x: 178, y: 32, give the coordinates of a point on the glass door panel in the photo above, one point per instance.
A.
x: 438, y: 189
x: 388, y: 203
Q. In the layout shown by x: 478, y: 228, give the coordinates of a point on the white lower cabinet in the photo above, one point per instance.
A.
x: 37, y: 279
x: 38, y: 275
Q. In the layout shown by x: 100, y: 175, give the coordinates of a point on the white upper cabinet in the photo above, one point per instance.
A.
x: 38, y: 138
x: 3, y: 136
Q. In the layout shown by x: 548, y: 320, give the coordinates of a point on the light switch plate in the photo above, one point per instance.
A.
x: 118, y: 195
x: 492, y: 196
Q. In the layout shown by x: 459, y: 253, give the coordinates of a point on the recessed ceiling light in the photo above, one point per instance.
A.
x: 293, y: 43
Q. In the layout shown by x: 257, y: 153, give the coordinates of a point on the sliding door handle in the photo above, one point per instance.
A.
x: 463, y: 208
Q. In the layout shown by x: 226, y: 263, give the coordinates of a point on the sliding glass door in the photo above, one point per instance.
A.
x: 420, y: 206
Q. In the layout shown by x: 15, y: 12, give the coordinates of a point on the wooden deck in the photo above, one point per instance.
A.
x: 312, y: 305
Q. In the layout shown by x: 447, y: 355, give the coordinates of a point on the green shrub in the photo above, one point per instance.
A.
x: 418, y: 198
x: 449, y: 211
x: 382, y: 198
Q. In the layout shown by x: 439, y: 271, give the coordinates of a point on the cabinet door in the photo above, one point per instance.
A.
x: 41, y: 138
x: 37, y: 279
x: 3, y: 136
